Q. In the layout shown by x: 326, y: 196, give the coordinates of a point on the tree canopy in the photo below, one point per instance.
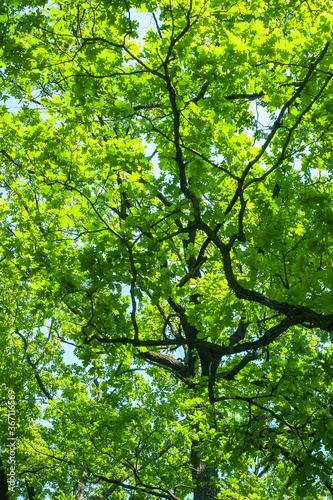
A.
x: 166, y: 216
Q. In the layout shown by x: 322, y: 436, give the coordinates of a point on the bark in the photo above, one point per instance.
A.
x: 3, y: 483
x: 204, y: 476
x: 80, y: 486
x: 30, y: 490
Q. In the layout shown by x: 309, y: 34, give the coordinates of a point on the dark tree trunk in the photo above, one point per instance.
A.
x: 3, y: 483
x: 31, y: 491
x: 204, y: 476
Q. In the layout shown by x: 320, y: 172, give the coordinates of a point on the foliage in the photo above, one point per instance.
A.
x: 166, y: 216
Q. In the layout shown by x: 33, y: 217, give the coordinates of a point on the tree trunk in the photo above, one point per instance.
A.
x: 3, y: 483
x: 80, y: 486
x: 204, y: 476
x: 30, y: 490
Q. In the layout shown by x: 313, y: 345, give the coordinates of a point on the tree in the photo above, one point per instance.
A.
x: 166, y: 213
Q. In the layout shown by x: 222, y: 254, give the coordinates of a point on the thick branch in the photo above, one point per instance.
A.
x: 162, y: 359
x: 230, y: 375
x: 297, y: 314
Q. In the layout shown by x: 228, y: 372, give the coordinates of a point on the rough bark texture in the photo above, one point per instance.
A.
x: 203, y: 475
x: 80, y: 486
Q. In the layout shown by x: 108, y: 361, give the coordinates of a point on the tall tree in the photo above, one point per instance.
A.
x: 166, y: 212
